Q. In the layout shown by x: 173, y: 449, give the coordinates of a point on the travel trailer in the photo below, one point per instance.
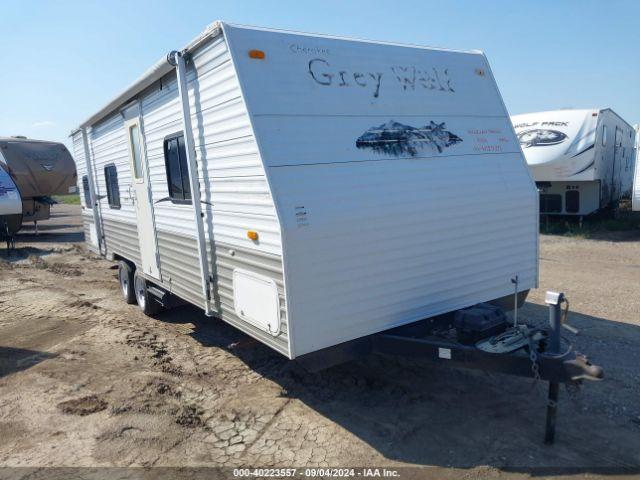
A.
x: 307, y: 189
x: 581, y: 160
x: 39, y: 170
x: 10, y: 207
x: 635, y: 199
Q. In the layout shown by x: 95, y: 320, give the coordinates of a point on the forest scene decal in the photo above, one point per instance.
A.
x: 396, y: 139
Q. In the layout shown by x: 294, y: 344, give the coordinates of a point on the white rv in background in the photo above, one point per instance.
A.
x: 10, y: 205
x: 635, y: 196
x: 309, y: 189
x: 581, y: 160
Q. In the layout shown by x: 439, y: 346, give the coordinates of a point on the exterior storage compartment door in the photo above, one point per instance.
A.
x: 255, y: 299
x: 572, y: 201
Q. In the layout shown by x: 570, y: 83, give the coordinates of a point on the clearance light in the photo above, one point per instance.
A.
x: 252, y: 235
x: 258, y: 54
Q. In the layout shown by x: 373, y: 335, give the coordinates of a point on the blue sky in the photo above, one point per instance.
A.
x: 63, y: 60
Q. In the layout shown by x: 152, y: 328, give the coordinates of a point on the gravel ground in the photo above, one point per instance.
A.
x: 86, y: 380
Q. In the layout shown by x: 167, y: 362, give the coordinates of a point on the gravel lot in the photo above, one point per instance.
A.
x: 86, y: 380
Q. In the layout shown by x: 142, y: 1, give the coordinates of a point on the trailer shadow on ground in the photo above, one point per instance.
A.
x: 54, y: 230
x: 44, y: 236
x: 425, y: 414
x: 16, y: 359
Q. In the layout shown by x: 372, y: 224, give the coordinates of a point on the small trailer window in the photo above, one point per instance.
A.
x: 604, y: 135
x: 134, y: 140
x: 175, y: 160
x: 87, y: 193
x: 550, y: 203
x: 113, y: 190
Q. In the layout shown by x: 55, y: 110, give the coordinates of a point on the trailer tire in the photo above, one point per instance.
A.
x: 125, y: 277
x: 146, y: 301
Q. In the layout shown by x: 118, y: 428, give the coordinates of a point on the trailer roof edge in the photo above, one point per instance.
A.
x: 162, y: 66
x: 157, y: 71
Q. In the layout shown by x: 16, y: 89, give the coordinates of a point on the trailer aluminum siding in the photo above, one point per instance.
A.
x: 359, y: 234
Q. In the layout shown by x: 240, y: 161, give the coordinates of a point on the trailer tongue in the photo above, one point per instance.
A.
x: 544, y: 355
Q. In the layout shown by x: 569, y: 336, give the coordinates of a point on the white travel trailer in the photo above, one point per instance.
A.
x: 310, y: 190
x: 581, y: 160
x: 635, y: 198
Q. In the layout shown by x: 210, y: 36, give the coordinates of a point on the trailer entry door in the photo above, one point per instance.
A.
x: 142, y: 199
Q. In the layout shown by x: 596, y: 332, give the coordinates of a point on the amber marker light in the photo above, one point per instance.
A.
x: 258, y: 54
x: 252, y: 235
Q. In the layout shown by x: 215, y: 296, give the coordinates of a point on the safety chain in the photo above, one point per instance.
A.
x: 533, y: 356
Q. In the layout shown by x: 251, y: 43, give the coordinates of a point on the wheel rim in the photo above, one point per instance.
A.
x: 139, y: 284
x: 124, y: 283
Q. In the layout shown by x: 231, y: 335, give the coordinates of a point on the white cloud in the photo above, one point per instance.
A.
x: 45, y: 123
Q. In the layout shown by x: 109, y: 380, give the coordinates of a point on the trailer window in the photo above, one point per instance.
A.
x: 604, y: 135
x: 87, y: 193
x: 175, y: 160
x: 550, y: 203
x: 113, y: 190
x: 134, y: 139
x: 572, y: 201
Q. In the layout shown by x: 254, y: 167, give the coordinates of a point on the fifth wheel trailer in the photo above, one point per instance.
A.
x: 581, y: 160
x: 310, y: 190
x: 39, y: 170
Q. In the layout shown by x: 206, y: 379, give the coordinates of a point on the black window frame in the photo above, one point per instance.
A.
x: 113, y: 191
x: 544, y: 201
x: 86, y: 191
x: 183, y: 198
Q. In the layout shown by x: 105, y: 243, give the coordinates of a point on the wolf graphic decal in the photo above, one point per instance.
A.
x: 395, y: 139
x: 540, y: 138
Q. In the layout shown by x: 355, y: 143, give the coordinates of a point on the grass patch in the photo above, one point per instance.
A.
x: 591, y: 227
x: 73, y: 199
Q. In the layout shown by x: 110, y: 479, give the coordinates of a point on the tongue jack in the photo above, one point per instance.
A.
x: 515, y: 300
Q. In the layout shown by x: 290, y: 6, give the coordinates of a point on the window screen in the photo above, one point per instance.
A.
x: 87, y: 193
x: 550, y: 203
x: 175, y: 160
x: 113, y: 190
x: 572, y: 201
x: 604, y: 135
x: 134, y: 139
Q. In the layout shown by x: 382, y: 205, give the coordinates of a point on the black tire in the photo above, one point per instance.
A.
x: 147, y: 302
x: 125, y: 277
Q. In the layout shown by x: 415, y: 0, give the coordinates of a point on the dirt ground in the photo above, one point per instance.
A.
x: 86, y: 380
